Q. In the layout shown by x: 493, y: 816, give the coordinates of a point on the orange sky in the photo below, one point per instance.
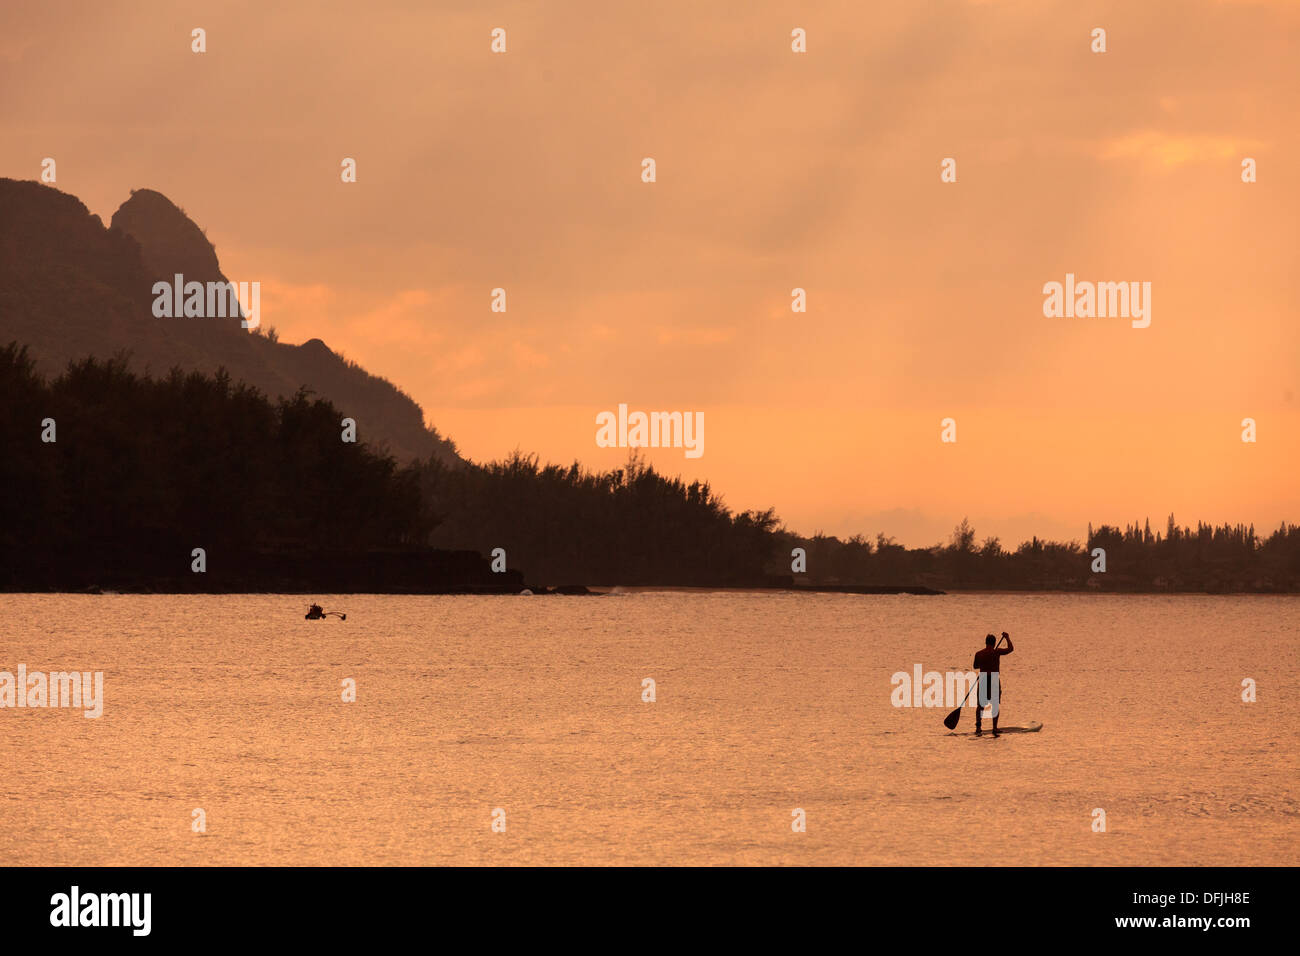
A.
x: 775, y: 170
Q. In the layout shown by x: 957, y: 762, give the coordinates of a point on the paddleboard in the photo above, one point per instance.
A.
x: 1032, y: 727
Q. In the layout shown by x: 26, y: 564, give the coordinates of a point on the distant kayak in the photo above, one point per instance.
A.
x: 316, y: 613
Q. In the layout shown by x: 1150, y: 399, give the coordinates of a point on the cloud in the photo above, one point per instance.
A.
x: 1168, y: 150
x: 529, y: 357
x: 694, y: 336
x: 776, y: 170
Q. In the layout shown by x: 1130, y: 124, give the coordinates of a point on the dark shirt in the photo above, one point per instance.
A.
x: 989, y: 658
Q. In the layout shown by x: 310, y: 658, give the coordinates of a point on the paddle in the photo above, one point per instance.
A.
x: 951, y: 720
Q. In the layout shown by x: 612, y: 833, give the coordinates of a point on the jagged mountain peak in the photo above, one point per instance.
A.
x: 170, y: 241
x: 69, y: 288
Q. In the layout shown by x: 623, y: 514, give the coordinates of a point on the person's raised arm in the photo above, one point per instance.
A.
x: 1009, y: 648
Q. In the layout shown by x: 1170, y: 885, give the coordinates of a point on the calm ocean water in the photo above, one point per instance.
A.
x: 765, y: 703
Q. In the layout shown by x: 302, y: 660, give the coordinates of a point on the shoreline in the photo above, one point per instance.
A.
x: 604, y: 590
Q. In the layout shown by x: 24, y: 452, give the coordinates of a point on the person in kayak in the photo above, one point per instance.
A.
x: 990, y: 689
x: 315, y: 613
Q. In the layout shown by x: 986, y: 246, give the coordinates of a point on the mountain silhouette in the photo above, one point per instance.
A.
x: 71, y: 288
x: 169, y: 240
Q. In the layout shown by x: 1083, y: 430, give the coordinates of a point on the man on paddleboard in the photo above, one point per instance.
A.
x: 990, y: 679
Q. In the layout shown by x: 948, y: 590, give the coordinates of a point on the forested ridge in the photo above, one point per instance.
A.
x: 113, y: 478
x: 629, y: 525
x: 1206, y: 558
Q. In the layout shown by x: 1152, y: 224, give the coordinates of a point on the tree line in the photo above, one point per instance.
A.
x: 1227, y: 558
x: 112, y: 478
x: 570, y: 525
